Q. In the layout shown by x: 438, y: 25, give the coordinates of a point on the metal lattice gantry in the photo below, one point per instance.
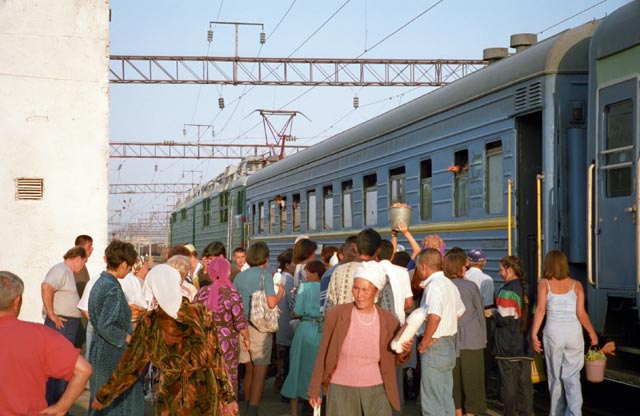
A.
x: 124, y: 69
x: 170, y: 149
x: 150, y: 188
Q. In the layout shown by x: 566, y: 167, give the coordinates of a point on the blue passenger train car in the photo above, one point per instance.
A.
x: 510, y: 127
x: 613, y: 241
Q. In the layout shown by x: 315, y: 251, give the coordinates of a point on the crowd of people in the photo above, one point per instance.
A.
x: 183, y: 332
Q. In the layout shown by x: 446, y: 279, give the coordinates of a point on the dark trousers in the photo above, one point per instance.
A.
x: 516, y: 387
x: 57, y: 386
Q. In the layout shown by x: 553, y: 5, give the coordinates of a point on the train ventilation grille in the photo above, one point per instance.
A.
x: 528, y: 97
x: 29, y: 189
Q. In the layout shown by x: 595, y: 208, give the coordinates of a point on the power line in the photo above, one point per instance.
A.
x: 571, y: 17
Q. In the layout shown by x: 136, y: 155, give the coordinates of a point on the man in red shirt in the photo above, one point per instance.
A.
x: 30, y: 353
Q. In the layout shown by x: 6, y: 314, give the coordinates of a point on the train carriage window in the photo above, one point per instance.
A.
x: 183, y: 214
x: 206, y: 212
x: 239, y: 203
x: 272, y: 216
x: 618, y: 152
x: 174, y: 217
x: 425, y: 190
x: 296, y: 212
x: 261, y: 218
x: 460, y: 183
x: 370, y: 188
x: 327, y: 207
x: 224, y: 206
x: 494, y: 177
x: 311, y: 210
x: 347, y: 204
x: 281, y: 201
x: 397, y: 180
x: 254, y: 218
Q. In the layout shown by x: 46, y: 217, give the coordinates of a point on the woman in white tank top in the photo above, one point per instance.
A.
x: 561, y: 298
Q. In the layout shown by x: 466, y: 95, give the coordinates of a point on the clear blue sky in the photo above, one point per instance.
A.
x: 452, y: 29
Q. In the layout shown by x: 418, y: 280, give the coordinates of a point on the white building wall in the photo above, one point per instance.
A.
x: 54, y: 124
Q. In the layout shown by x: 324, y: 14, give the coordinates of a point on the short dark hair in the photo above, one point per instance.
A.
x: 303, y: 249
x: 401, y: 258
x: 368, y: 241
x: 178, y: 250
x: 214, y: 249
x: 285, y: 258
x: 119, y: 251
x: 386, y: 250
x: 430, y: 257
x: 316, y: 266
x: 327, y: 252
x: 82, y: 239
x: 77, y: 251
x: 239, y: 250
x: 258, y: 254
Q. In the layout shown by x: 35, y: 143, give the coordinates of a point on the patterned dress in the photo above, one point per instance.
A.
x: 111, y: 320
x: 193, y: 380
x: 230, y: 320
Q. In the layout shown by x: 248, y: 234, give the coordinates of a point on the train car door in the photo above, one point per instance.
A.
x: 529, y: 151
x: 616, y: 186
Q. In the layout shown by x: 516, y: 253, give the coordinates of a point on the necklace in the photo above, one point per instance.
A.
x: 375, y: 315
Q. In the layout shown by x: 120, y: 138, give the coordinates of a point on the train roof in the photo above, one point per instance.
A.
x: 618, y: 31
x: 234, y: 176
x: 566, y: 52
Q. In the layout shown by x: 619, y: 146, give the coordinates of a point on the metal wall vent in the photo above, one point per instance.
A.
x: 29, y: 189
x: 528, y: 97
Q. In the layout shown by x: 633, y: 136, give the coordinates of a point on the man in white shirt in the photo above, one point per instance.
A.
x: 477, y: 261
x: 402, y: 299
x: 437, y: 350
x: 398, y: 279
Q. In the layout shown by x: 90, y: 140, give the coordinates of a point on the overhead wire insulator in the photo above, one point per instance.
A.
x: 356, y: 102
x: 221, y: 103
x: 184, y: 132
x: 263, y: 38
x: 209, y: 35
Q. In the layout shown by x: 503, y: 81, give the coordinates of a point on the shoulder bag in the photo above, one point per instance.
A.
x: 263, y: 318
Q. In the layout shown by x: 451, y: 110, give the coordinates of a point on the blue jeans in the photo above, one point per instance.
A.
x: 57, y: 386
x: 436, y: 383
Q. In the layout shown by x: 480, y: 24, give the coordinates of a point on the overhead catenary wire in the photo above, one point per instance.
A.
x: 571, y: 17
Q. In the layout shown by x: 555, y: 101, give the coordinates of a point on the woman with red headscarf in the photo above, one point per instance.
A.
x: 221, y: 297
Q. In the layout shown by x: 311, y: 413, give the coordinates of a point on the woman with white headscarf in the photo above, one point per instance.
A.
x: 355, y: 365
x: 179, y: 338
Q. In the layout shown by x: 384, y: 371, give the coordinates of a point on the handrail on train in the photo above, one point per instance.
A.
x: 539, y: 179
x: 509, y: 224
x: 590, y: 231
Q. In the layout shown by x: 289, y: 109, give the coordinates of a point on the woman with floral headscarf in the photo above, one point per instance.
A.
x: 221, y: 297
x: 179, y: 338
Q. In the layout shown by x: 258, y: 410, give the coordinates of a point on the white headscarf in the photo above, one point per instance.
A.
x: 163, y: 285
x: 373, y: 272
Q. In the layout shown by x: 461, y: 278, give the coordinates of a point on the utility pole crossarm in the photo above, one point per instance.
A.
x: 170, y: 149
x: 149, y: 188
x: 125, y: 69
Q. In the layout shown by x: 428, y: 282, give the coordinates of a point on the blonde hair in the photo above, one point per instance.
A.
x: 181, y: 263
